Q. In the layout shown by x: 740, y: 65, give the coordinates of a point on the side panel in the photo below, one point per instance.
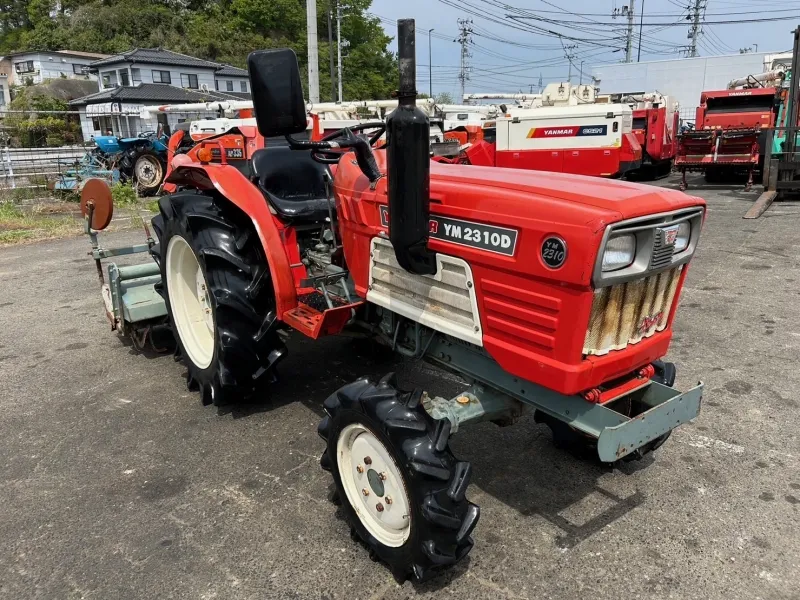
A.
x: 597, y: 162
x: 234, y: 186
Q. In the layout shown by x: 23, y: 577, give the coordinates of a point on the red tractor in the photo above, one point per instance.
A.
x: 549, y: 292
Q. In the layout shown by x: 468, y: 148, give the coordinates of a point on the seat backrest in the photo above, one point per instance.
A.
x: 288, y: 173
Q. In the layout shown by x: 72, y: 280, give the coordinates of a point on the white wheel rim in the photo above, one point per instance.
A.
x: 365, y: 465
x: 188, y: 300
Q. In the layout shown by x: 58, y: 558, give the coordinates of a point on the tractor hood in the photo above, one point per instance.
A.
x: 621, y: 199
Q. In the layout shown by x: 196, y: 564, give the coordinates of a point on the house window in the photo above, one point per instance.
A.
x: 80, y: 69
x: 229, y: 86
x: 216, y: 85
x: 161, y: 77
x: 2, y: 95
x: 123, y: 77
x: 96, y: 123
x: 189, y: 81
x: 24, y: 67
x: 243, y: 85
x: 109, y: 78
x: 136, y: 76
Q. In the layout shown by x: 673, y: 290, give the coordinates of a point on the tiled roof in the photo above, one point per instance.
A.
x: 231, y: 71
x: 157, y: 92
x: 75, y: 53
x: 157, y: 56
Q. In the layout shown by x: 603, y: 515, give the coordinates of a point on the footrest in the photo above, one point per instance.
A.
x: 315, y: 323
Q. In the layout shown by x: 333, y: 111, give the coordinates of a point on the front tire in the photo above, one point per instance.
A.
x: 401, y: 489
x: 219, y: 296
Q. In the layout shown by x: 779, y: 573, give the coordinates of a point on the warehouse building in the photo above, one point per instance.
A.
x: 684, y: 78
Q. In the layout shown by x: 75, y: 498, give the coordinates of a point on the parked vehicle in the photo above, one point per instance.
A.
x: 655, y: 126
x: 730, y: 133
x: 141, y: 159
x: 585, y: 139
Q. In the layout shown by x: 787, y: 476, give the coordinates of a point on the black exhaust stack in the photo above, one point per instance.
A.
x: 409, y: 165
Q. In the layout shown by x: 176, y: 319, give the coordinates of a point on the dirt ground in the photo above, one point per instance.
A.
x: 117, y: 483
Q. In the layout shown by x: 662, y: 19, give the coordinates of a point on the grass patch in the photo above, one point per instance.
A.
x: 17, y: 225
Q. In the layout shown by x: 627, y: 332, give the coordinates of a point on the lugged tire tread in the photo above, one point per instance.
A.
x: 442, y: 521
x: 212, y: 228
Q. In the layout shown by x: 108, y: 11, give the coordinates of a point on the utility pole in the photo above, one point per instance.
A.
x: 541, y: 87
x: 696, y: 29
x: 641, y: 20
x: 313, y: 51
x: 570, y: 56
x: 339, y: 46
x: 581, y: 79
x: 330, y: 53
x: 626, y: 11
x: 430, y: 64
x: 465, y: 39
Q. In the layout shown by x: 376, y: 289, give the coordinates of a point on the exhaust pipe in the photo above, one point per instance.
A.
x: 409, y: 165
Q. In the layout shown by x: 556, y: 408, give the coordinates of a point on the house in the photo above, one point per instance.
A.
x: 231, y: 79
x: 154, y: 76
x: 156, y: 65
x: 118, y: 109
x: 33, y: 67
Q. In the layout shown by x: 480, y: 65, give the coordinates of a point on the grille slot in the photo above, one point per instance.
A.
x: 662, y: 252
x: 627, y: 313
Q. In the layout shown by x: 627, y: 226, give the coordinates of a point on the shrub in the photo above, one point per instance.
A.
x: 123, y: 194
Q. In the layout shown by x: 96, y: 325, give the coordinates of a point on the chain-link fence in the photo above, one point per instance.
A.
x: 37, y: 150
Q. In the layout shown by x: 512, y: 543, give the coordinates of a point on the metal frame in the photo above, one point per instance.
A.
x: 496, y: 395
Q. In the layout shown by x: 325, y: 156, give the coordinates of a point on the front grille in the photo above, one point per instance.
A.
x: 662, y: 253
x: 627, y: 313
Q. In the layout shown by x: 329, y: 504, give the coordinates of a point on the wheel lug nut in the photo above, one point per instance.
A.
x: 379, y: 507
x: 365, y: 491
x: 382, y: 476
x: 388, y: 499
x: 360, y: 469
x: 367, y: 460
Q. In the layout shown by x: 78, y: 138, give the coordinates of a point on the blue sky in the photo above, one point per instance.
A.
x: 507, y: 55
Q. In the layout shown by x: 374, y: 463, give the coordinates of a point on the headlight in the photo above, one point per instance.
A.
x: 619, y: 253
x: 682, y: 239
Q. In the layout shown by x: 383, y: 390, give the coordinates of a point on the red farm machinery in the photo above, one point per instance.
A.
x: 656, y: 120
x: 730, y: 131
x: 548, y: 292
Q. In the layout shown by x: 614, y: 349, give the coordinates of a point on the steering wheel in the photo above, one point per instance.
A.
x: 331, y: 157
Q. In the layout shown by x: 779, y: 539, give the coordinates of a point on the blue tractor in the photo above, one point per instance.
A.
x: 140, y: 160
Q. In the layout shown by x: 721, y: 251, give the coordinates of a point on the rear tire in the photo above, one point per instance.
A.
x: 148, y: 172
x: 417, y: 468
x: 219, y: 296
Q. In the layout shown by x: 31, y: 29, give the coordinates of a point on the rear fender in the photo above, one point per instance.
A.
x: 236, y: 188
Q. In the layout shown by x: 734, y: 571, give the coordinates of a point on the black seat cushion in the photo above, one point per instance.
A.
x: 292, y: 182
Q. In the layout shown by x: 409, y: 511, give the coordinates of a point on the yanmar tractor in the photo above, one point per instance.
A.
x: 549, y: 292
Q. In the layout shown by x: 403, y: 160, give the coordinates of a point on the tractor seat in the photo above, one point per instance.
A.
x: 293, y: 183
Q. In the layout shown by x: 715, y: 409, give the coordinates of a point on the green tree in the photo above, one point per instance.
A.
x: 217, y: 30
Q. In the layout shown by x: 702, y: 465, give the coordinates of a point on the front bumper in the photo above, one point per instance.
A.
x: 663, y: 409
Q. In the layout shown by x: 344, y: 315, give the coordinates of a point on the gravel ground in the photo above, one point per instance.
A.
x: 117, y: 483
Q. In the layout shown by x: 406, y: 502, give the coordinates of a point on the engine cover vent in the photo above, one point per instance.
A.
x: 445, y: 301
